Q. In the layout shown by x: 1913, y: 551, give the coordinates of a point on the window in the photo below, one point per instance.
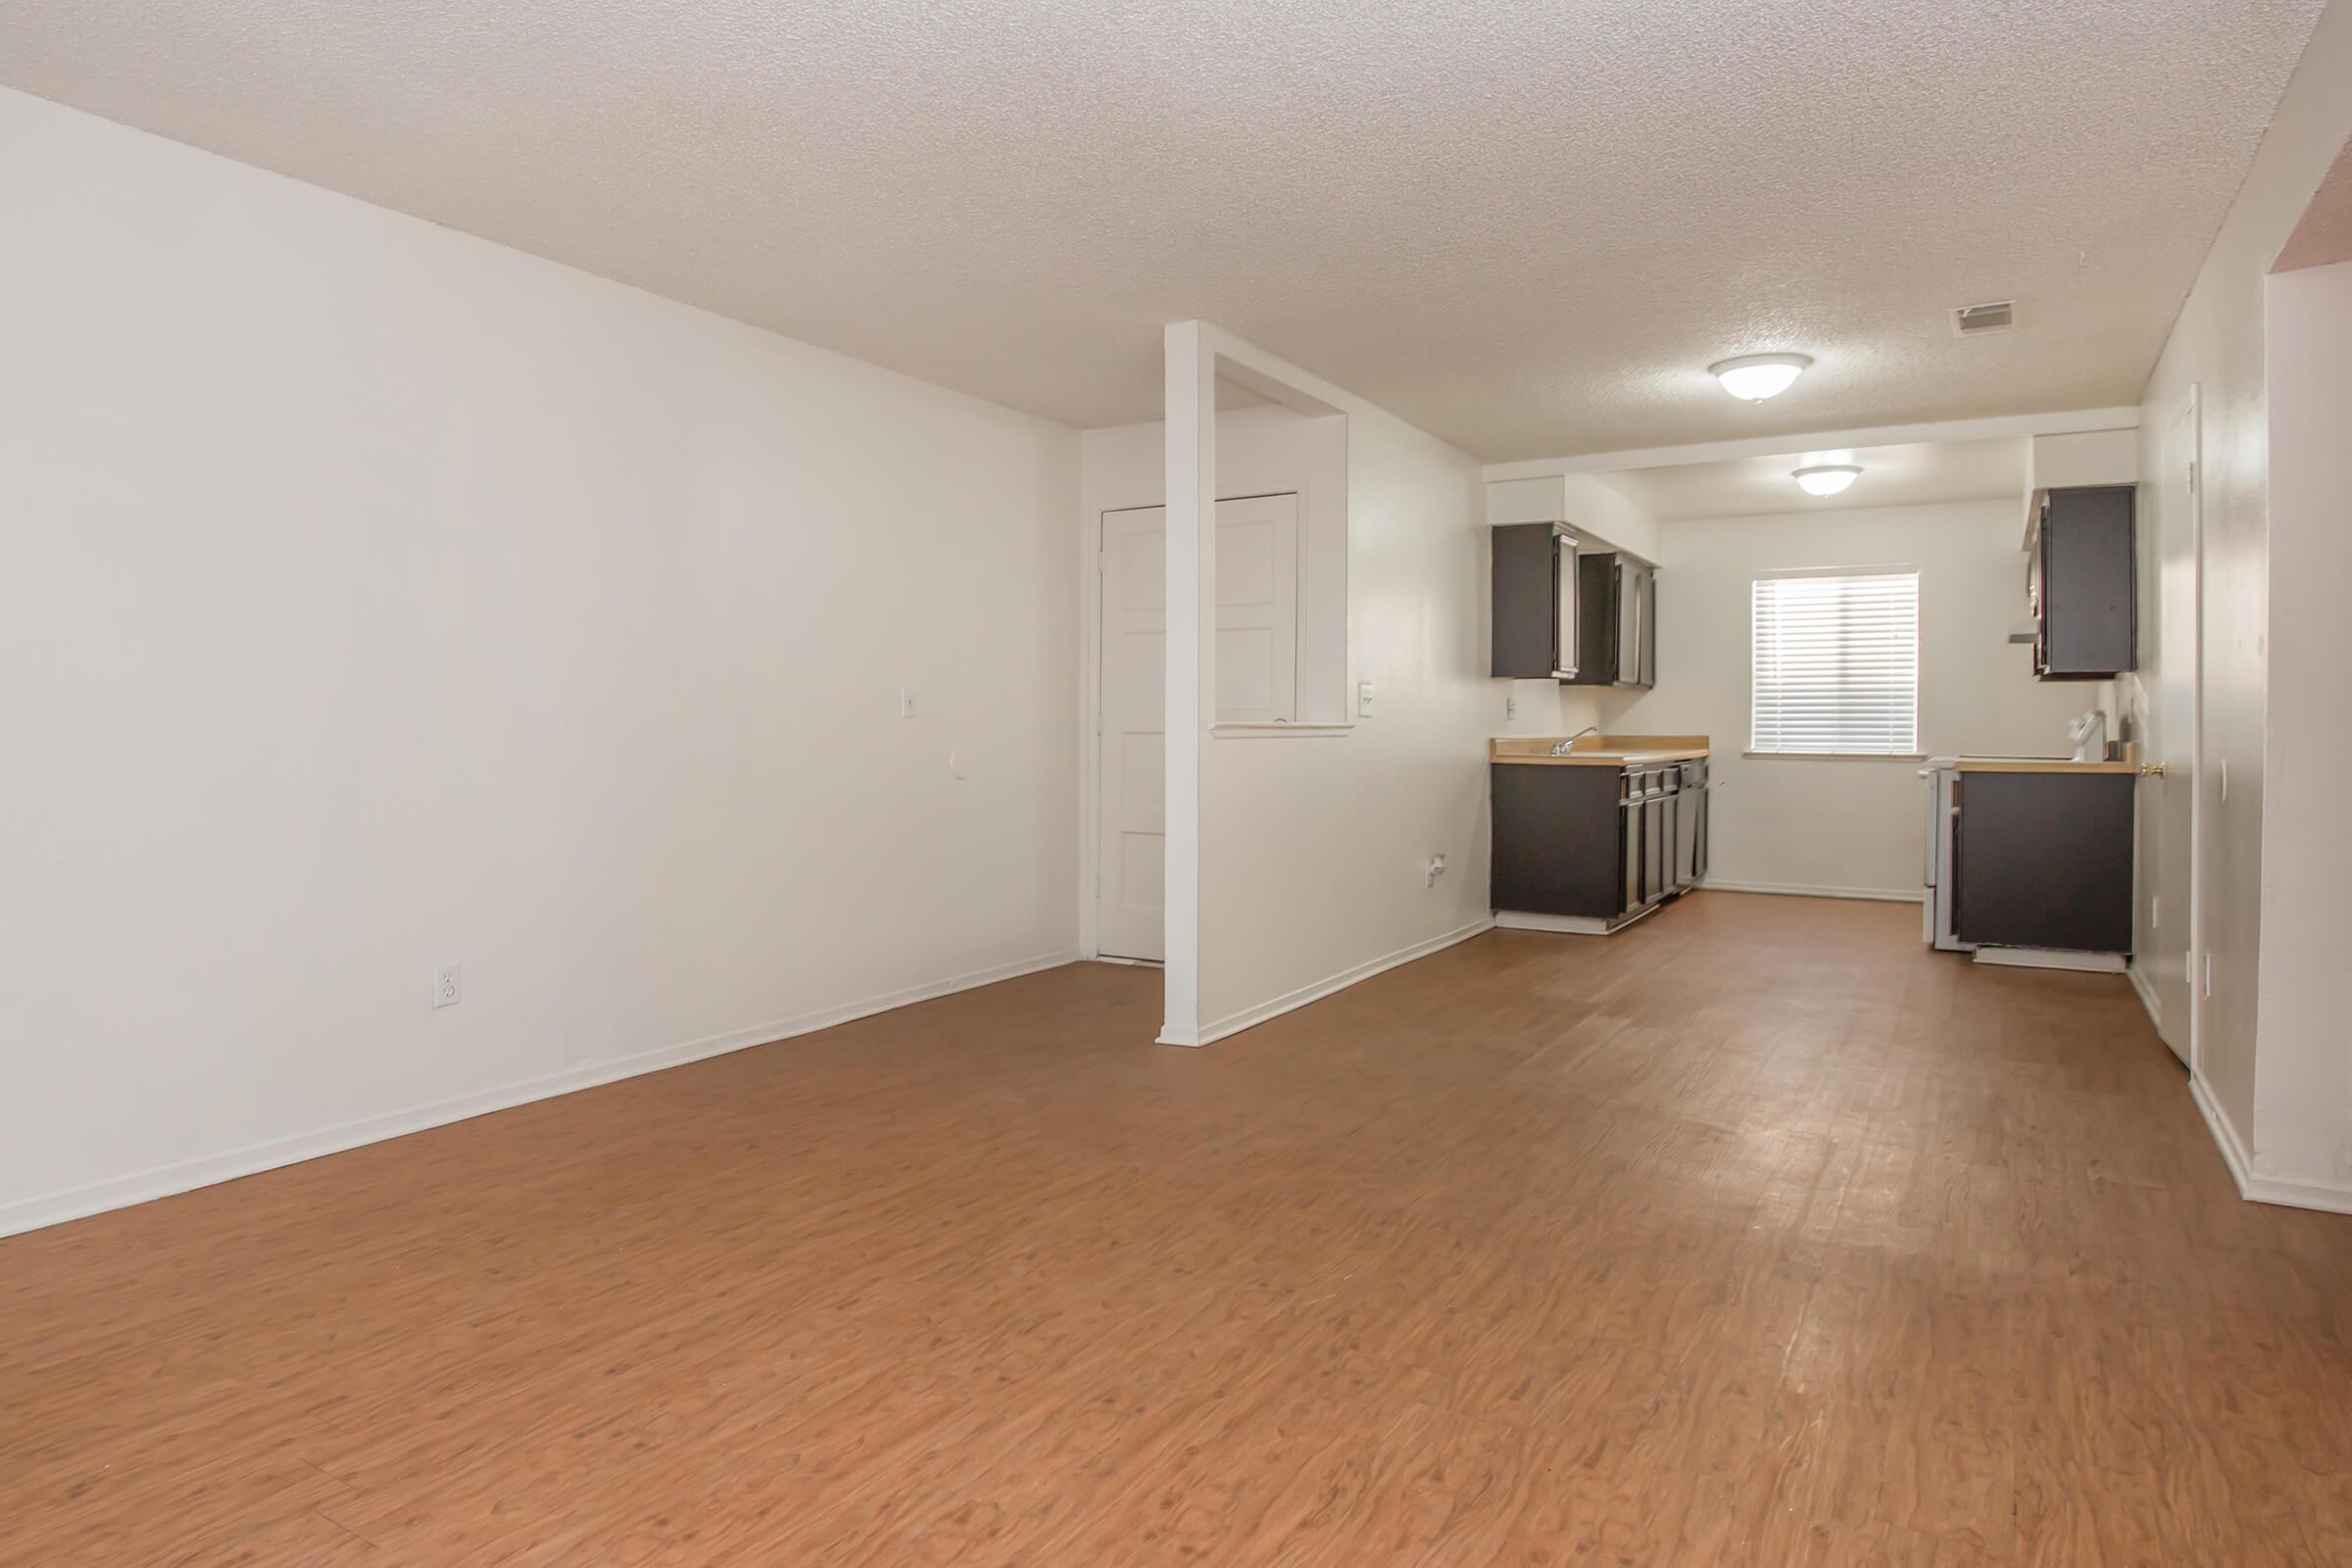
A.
x: 1836, y: 664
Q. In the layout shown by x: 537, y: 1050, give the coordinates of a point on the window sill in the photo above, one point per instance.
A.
x: 1257, y: 732
x: 1836, y: 757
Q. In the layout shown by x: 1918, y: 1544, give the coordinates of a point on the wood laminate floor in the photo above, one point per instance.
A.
x: 1755, y: 1235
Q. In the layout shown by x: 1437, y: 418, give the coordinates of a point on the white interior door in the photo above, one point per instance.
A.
x: 1130, y: 736
x: 2178, y: 724
x: 1258, y: 682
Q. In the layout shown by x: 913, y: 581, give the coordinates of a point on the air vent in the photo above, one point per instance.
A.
x: 1968, y: 320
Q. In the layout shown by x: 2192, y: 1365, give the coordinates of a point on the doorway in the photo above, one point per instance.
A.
x: 1257, y: 683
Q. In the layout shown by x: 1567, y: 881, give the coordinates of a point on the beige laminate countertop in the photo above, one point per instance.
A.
x: 2128, y: 762
x: 1598, y: 750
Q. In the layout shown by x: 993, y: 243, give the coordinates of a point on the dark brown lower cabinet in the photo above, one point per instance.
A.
x: 1598, y: 843
x: 2043, y: 861
x: 1559, y: 840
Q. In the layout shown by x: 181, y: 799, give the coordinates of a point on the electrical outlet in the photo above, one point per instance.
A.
x: 1510, y: 705
x: 448, y: 986
x: 1363, y: 698
x: 905, y: 703
x: 1437, y: 869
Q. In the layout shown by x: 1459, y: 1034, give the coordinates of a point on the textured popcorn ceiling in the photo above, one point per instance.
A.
x: 1527, y: 229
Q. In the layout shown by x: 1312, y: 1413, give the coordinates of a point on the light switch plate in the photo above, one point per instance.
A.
x: 1363, y: 698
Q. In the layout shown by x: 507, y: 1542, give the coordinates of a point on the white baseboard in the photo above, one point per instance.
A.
x: 1574, y: 925
x: 2331, y: 1200
x: 1880, y: 894
x: 2137, y: 974
x: 162, y: 1181
x: 2053, y: 958
x: 1234, y: 1023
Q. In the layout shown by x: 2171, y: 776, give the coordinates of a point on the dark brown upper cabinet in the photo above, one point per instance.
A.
x: 1620, y: 621
x: 2083, y: 583
x: 1534, y: 602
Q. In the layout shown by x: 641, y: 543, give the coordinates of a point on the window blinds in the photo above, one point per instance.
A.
x: 1837, y: 665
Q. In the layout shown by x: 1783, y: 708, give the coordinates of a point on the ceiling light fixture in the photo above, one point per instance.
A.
x: 1753, y: 377
x: 1827, y: 478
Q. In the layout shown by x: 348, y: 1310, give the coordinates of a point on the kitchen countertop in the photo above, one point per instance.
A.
x: 2128, y: 762
x: 1598, y: 750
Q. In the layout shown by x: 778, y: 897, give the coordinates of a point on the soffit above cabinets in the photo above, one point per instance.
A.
x: 1914, y: 474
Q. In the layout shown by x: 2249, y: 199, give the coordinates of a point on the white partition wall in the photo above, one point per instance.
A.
x: 1311, y: 846
x: 1191, y: 676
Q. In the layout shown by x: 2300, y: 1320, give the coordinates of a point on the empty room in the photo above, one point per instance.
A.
x: 1031, y: 783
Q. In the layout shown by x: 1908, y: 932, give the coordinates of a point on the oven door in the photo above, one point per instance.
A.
x: 1932, y: 916
x: 1942, y: 890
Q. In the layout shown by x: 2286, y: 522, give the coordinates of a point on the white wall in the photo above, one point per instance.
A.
x: 376, y: 595
x: 2216, y: 347
x: 1847, y: 826
x: 1314, y: 847
x: 2303, y: 1064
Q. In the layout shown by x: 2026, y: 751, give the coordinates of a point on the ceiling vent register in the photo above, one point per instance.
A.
x: 1972, y: 320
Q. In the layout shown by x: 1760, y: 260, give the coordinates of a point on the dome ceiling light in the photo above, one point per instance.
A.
x: 1753, y: 377
x: 1827, y: 478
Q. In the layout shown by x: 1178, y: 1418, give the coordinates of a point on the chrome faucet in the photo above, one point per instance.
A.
x: 1569, y: 745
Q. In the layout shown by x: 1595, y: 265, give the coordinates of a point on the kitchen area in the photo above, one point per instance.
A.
x: 2023, y: 852
x: 1591, y: 831
x: 2029, y: 860
x: 1596, y: 831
